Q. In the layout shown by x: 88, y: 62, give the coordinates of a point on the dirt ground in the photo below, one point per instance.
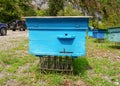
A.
x: 12, y: 39
x: 7, y: 43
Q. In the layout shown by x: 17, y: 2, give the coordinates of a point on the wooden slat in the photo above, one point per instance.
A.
x: 50, y: 63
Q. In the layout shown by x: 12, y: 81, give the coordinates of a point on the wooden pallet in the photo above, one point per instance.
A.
x: 56, y: 64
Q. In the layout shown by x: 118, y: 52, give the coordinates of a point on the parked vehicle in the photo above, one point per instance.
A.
x: 3, y: 29
x: 18, y: 25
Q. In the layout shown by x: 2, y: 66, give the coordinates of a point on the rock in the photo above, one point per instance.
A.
x: 41, y: 4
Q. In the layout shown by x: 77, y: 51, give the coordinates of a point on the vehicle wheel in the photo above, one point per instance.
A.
x: 21, y: 28
x: 13, y: 29
x: 3, y: 31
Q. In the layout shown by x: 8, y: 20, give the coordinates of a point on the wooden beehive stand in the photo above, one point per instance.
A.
x: 56, y: 64
x: 117, y: 43
x: 100, y: 40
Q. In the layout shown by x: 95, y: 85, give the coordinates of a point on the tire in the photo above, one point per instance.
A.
x: 24, y: 29
x: 3, y: 31
x: 21, y: 28
x: 13, y: 29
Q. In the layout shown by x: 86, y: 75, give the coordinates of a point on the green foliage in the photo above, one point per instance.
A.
x: 103, y: 1
x: 15, y: 9
x: 42, y: 13
x: 55, y: 7
x: 81, y: 65
x: 26, y: 8
x: 69, y: 11
x: 99, y: 25
x: 7, y: 10
x: 1, y: 68
x: 108, y: 9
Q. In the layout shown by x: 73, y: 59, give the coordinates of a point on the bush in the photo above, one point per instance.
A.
x: 69, y: 11
x: 42, y: 13
x: 13, y: 9
x: 55, y: 7
x: 80, y: 65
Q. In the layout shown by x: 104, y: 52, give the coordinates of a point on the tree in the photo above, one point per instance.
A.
x: 7, y: 11
x: 15, y: 9
x: 55, y: 6
x: 69, y: 11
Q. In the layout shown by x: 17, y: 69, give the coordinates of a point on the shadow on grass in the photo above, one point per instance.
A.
x: 99, y: 40
x: 115, y: 46
x: 80, y: 66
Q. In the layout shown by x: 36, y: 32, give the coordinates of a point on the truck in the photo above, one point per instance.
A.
x: 3, y: 29
x: 17, y: 25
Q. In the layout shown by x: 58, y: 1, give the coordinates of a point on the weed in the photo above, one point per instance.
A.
x: 80, y: 65
x: 1, y: 68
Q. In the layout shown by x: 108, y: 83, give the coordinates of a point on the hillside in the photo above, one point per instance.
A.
x: 106, y: 12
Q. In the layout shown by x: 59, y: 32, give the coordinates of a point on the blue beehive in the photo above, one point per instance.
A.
x: 114, y: 34
x: 90, y: 33
x: 99, y: 34
x: 57, y: 36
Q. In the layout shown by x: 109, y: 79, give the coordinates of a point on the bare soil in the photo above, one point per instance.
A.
x: 12, y: 39
x: 8, y: 42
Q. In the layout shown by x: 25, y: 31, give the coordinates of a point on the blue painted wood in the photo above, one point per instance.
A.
x: 90, y: 31
x: 99, y: 34
x: 114, y: 34
x: 57, y: 36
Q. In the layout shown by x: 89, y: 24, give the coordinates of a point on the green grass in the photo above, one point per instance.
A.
x: 81, y: 65
x: 1, y: 68
x: 93, y: 70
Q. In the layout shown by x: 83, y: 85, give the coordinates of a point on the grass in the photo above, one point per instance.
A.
x: 94, y: 69
x: 1, y: 68
x: 81, y: 65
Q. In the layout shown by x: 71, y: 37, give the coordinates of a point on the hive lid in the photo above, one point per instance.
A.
x: 114, y: 28
x: 58, y: 17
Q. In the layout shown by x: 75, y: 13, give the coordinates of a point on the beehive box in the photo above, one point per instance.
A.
x: 99, y: 34
x: 57, y: 36
x: 114, y: 34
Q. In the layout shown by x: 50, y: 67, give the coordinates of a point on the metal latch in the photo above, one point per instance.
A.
x: 64, y: 51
